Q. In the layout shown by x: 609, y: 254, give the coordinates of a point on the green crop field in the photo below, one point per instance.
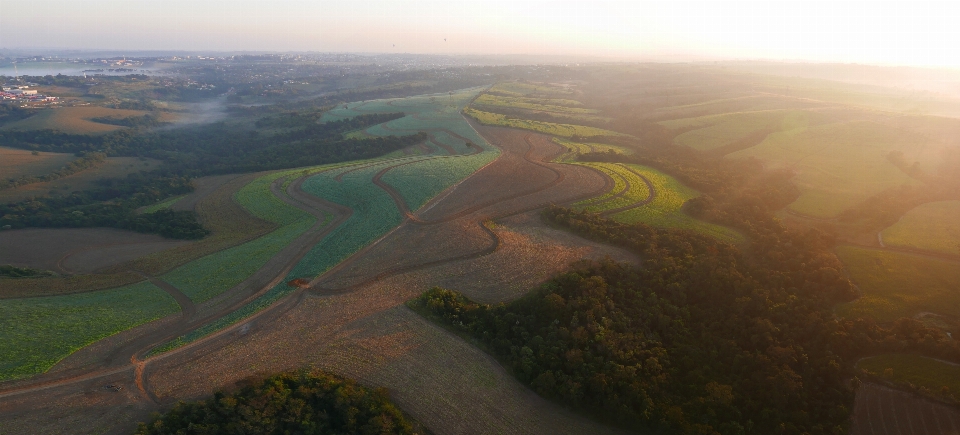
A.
x: 895, y: 285
x: 822, y: 155
x: 583, y: 148
x: 934, y: 226
x: 622, y: 176
x: 374, y: 212
x: 715, y: 131
x: 551, y: 128
x: 210, y: 276
x: 914, y: 369
x: 39, y: 332
x: 542, y: 105
x: 665, y: 209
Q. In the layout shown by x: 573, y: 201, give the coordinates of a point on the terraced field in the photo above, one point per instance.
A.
x: 535, y: 104
x: 630, y: 190
x: 551, y: 128
x: 933, y: 227
x: 39, y: 332
x: 665, y: 209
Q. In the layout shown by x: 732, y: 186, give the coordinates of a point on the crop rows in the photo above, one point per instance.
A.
x: 421, y: 181
x: 551, y: 128
x: 638, y: 190
x: 39, y: 332
x: 665, y: 209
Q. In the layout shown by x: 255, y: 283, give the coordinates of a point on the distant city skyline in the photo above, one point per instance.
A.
x: 872, y: 32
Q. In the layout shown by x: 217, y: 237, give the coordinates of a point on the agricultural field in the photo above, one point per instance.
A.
x: 73, y: 119
x: 418, y: 182
x: 715, y: 131
x: 574, y: 148
x: 551, y: 128
x: 933, y: 226
x: 210, y: 276
x: 535, y: 104
x: 896, y: 285
x: 920, y: 371
x: 39, y: 332
x: 821, y: 156
x: 114, y: 167
x: 665, y: 210
x: 522, y: 89
x: 629, y: 189
x: 16, y: 163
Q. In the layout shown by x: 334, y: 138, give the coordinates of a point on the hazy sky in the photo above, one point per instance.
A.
x: 888, y: 32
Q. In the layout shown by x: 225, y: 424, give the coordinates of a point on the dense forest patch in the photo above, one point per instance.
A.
x: 290, y: 403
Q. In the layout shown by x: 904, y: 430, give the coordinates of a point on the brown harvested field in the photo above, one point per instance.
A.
x: 881, y: 410
x: 16, y: 163
x: 114, y: 167
x: 73, y: 250
x: 73, y: 119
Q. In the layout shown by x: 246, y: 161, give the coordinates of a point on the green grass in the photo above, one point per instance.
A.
x: 896, y: 285
x: 551, y: 128
x: 39, y: 332
x: 914, y: 369
x: 161, y: 205
x: 665, y: 209
x: 837, y: 165
x: 934, y: 226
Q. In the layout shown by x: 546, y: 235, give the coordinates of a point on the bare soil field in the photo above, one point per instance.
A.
x: 881, y: 410
x: 114, y: 167
x: 72, y: 250
x: 16, y: 163
x: 203, y: 187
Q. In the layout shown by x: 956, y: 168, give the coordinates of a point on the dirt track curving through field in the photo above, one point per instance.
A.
x: 651, y: 195
x: 451, y: 235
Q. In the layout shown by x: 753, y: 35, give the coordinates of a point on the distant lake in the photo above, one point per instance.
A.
x: 74, y: 69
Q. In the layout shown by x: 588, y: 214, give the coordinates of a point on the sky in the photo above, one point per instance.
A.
x: 873, y: 32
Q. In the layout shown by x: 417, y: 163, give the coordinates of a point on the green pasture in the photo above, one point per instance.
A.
x: 917, y: 370
x: 837, y: 165
x: 551, y: 128
x: 715, y: 131
x: 520, y: 89
x: 896, y: 285
x: 933, y: 226
x: 36, y: 333
x: 665, y: 211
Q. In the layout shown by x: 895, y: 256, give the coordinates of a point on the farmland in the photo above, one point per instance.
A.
x: 898, y: 285
x: 73, y: 119
x: 16, y: 163
x: 934, y: 226
x: 920, y: 371
x: 629, y: 189
x: 715, y: 131
x: 820, y: 156
x: 551, y: 128
x: 541, y: 105
x: 39, y: 332
x: 665, y: 210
